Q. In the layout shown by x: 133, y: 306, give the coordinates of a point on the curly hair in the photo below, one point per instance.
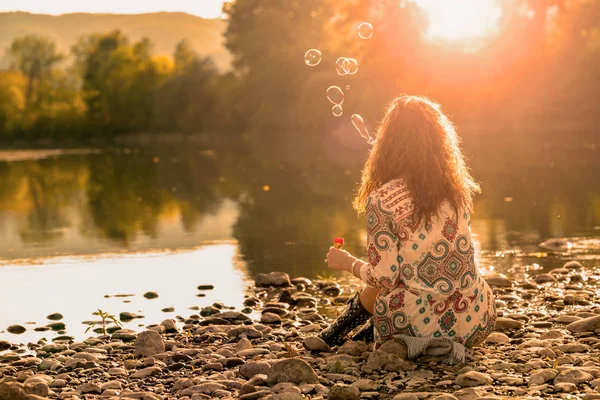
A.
x: 416, y: 142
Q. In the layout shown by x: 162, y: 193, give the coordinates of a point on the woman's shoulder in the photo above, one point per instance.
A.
x: 393, y: 197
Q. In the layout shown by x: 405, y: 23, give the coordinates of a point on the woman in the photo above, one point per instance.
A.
x: 422, y: 283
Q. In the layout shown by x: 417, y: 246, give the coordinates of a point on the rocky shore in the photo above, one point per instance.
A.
x: 546, y: 345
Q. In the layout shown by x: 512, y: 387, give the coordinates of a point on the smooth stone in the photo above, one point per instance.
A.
x: 552, y: 334
x: 544, y: 278
x: 353, y: 348
x: 251, y: 369
x: 243, y: 344
x: 55, y: 317
x: 244, y: 331
x: 585, y: 325
x: 140, y: 396
x: 573, y: 265
x: 234, y: 315
x: 291, y: 370
x: 203, y: 388
x: 565, y: 387
x: 573, y: 348
x: 343, y: 392
x: 12, y: 391
x: 151, y: 295
x: 473, y: 378
x: 366, y: 385
x: 126, y: 316
x: 573, y: 375
x: 255, y: 395
x: 497, y: 337
x: 272, y: 279
x: 316, y: 344
x: 148, y: 371
x: 391, y: 356
x: 270, y: 318
x: 126, y: 335
x: 170, y: 326
x: 499, y: 281
x: 252, y: 352
x: 89, y: 388
x: 16, y: 329
x: 149, y: 343
x: 542, y: 376
x: 508, y: 324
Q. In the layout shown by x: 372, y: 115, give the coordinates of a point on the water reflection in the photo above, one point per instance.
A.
x: 137, y: 198
x: 77, y: 286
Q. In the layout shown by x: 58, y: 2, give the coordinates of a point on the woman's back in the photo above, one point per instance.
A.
x: 426, y: 269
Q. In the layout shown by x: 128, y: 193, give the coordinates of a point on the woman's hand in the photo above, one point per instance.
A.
x: 339, y: 259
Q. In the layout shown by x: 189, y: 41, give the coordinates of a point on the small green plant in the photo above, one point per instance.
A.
x: 326, y: 276
x: 338, y: 368
x: 106, y: 317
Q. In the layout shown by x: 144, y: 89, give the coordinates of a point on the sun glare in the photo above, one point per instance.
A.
x: 461, y: 19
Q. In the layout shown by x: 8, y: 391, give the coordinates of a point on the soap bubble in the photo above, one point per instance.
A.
x: 337, y: 110
x: 365, y: 30
x: 359, y: 124
x: 312, y: 57
x: 352, y: 66
x: 335, y: 95
x: 342, y: 66
x: 347, y: 87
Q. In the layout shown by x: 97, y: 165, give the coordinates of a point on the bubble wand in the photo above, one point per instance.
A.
x: 338, y: 242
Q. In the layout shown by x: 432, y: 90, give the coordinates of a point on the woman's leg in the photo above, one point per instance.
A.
x: 355, y: 315
x: 367, y: 298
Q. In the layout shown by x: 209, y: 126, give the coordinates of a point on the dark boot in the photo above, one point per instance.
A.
x: 352, y: 317
x: 366, y: 333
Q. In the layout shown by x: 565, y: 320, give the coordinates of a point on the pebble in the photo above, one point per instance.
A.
x: 16, y: 329
x: 315, y: 344
x: 149, y: 343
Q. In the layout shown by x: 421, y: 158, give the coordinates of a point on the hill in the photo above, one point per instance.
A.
x: 164, y: 29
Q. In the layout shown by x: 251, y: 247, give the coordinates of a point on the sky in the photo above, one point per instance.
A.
x: 202, y: 8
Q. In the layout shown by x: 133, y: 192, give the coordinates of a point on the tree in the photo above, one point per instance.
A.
x: 118, y: 81
x: 184, y: 55
x: 35, y: 56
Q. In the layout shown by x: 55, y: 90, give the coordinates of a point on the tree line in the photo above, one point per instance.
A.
x: 110, y: 86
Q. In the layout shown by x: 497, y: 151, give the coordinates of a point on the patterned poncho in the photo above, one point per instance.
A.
x: 429, y: 284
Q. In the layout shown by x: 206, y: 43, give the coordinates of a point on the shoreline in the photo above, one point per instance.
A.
x: 545, y: 345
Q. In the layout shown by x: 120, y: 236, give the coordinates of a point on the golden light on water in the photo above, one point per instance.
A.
x: 462, y: 19
x: 77, y: 286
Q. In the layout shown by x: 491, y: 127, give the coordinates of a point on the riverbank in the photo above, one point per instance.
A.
x: 546, y: 345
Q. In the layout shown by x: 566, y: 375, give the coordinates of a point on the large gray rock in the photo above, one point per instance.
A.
x: 341, y: 391
x: 272, y: 279
x: 585, y: 325
x: 149, y: 343
x: 391, y: 356
x: 291, y: 370
x: 473, y: 378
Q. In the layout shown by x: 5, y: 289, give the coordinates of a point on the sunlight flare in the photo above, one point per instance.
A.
x: 461, y: 19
